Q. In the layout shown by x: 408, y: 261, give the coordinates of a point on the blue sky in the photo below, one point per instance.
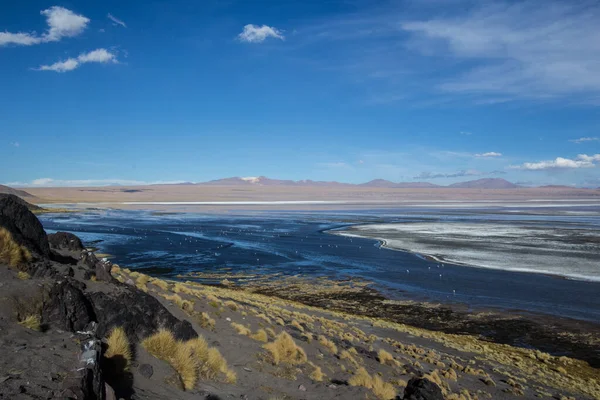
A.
x: 162, y: 91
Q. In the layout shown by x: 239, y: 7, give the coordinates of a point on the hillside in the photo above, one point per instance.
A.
x: 16, y: 192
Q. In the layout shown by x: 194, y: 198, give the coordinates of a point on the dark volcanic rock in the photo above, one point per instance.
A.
x: 87, y: 381
x: 68, y: 307
x: 24, y: 227
x: 100, y: 268
x: 65, y: 241
x: 138, y: 313
x: 422, y: 389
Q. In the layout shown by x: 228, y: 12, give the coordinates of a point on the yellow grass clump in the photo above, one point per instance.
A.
x: 161, y: 345
x: 186, y: 365
x: 160, y: 283
x: 346, y: 355
x: 384, y: 357
x: 206, y: 321
x: 297, y: 325
x: 317, y: 375
x: 33, y: 322
x: 118, y: 346
x: 241, y: 329
x: 233, y: 306
x: 285, y: 350
x: 382, y: 390
x: 192, y: 359
x: 23, y: 275
x: 328, y: 344
x: 261, y: 336
x: 11, y: 252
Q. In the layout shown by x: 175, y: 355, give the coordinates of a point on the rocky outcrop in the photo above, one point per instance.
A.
x: 101, y: 268
x: 422, y: 389
x: 138, y: 313
x: 68, y: 307
x: 24, y: 227
x: 86, y: 381
x: 64, y: 241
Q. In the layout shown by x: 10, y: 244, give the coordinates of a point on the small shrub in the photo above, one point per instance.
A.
x: 285, y: 350
x: 161, y: 284
x: 346, y: 355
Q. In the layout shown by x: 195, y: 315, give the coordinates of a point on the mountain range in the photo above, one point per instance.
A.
x: 486, y: 183
x: 16, y: 192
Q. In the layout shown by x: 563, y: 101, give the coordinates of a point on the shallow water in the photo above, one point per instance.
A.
x: 298, y: 243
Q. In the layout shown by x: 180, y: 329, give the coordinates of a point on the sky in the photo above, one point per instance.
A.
x: 115, y: 92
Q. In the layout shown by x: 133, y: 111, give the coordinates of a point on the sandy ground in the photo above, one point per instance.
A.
x: 358, y: 195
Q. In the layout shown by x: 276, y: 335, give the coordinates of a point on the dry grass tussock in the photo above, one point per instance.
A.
x: 382, y: 390
x: 23, y: 275
x: 205, y: 320
x: 192, y: 359
x: 328, y: 344
x: 384, y: 357
x: 33, y: 322
x: 11, y: 252
x: 317, y: 375
x: 261, y: 336
x: 118, y: 346
x: 241, y: 329
x: 284, y: 350
x: 232, y: 305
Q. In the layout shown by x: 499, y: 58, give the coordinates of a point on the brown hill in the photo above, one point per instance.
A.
x: 16, y: 192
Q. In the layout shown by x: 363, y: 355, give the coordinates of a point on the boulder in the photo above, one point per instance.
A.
x: 137, y: 312
x: 65, y: 241
x: 68, y: 307
x: 422, y: 389
x: 100, y: 268
x: 24, y: 226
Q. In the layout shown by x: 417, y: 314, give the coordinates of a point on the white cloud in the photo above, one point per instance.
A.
x: 585, y: 139
x: 525, y: 49
x: 102, y: 56
x: 50, y: 182
x: 116, y: 20
x: 258, y: 34
x: 489, y: 154
x: 581, y: 161
x: 15, y: 144
x: 61, y: 23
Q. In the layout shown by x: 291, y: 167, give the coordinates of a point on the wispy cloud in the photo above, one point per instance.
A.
x: 585, y: 139
x: 431, y: 175
x: 581, y: 161
x: 61, y: 23
x: 334, y: 165
x: 527, y: 49
x: 15, y: 144
x: 488, y: 154
x: 116, y: 21
x: 101, y: 56
x: 50, y: 182
x: 258, y: 34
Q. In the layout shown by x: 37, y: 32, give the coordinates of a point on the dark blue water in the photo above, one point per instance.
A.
x: 297, y: 244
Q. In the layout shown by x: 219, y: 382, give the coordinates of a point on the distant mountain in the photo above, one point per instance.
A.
x: 490, y: 183
x: 264, y: 181
x: 382, y: 183
x: 485, y: 183
x: 557, y: 187
x: 16, y: 192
